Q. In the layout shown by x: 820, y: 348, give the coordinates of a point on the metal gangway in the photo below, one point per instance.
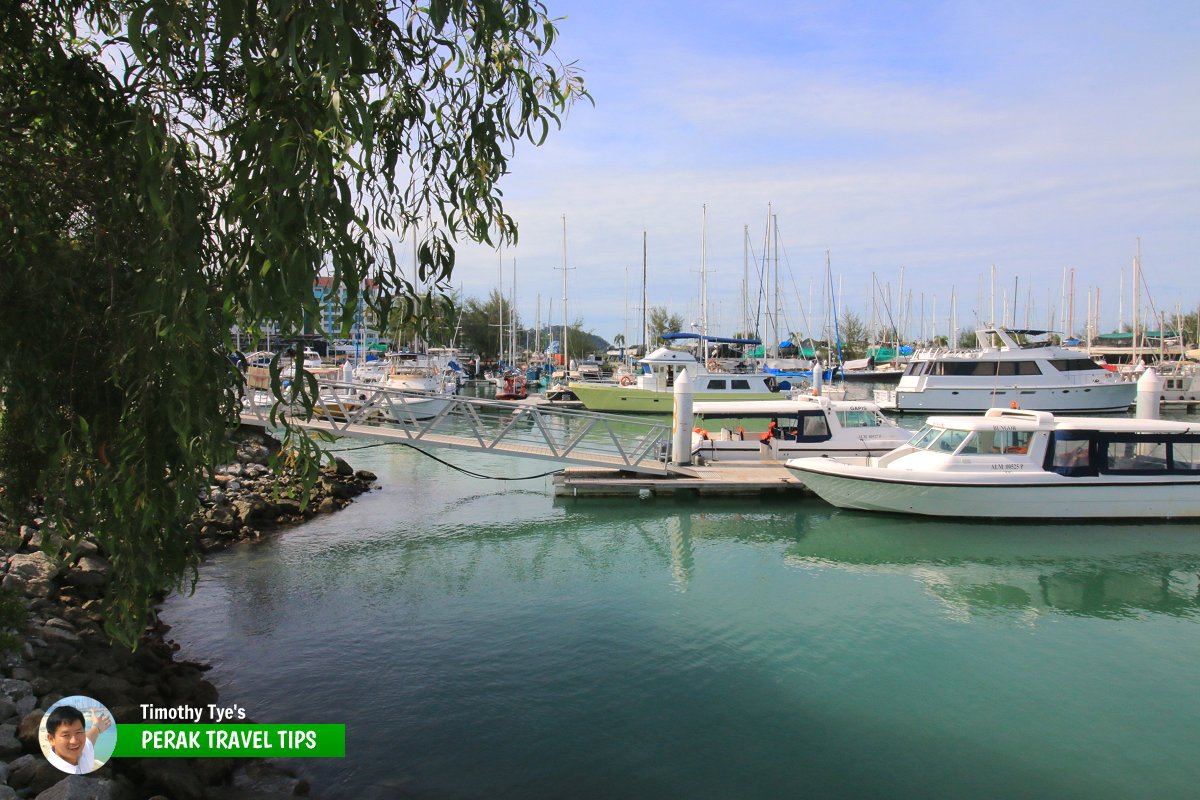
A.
x: 514, y: 428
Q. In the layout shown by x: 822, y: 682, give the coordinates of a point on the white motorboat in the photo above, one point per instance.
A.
x: 770, y: 431
x: 1018, y: 464
x: 1002, y: 372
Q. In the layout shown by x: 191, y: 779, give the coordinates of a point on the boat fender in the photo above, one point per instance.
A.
x: 741, y: 432
x: 702, y: 433
x: 627, y: 380
x: 1014, y: 404
x: 772, y: 384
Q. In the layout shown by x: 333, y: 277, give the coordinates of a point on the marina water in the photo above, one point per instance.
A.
x: 480, y: 638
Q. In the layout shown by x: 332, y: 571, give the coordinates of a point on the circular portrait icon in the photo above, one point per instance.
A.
x: 77, y: 734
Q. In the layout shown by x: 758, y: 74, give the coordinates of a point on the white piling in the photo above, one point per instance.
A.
x: 681, y: 420
x: 347, y: 375
x: 1149, y: 394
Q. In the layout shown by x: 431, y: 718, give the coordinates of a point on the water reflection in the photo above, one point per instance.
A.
x: 1106, y: 571
x: 404, y: 564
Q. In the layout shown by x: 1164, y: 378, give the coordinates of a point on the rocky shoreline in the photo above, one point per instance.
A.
x: 63, y: 649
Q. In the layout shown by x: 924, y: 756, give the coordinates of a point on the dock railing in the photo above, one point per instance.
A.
x: 569, y: 436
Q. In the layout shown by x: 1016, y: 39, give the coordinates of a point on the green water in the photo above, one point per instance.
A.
x: 482, y: 640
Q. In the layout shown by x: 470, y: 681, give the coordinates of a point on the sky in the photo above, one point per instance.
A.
x: 918, y: 142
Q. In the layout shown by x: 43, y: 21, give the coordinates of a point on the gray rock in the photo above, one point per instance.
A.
x: 3, y: 775
x: 81, y: 787
x: 36, y: 588
x: 251, y: 507
x: 10, y: 746
x: 175, y: 780
x: 8, y: 710
x: 94, y: 564
x: 15, y: 689
x: 266, y: 779
x: 29, y: 731
x: 221, y: 518
x: 54, y: 635
x: 33, y: 566
x: 44, y: 776
x: 104, y: 687
x: 8, y: 793
x: 87, y: 547
x: 26, y: 704
x: 12, y: 583
x: 366, y: 475
x: 20, y: 771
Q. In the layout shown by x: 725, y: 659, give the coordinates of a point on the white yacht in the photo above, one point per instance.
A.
x: 1017, y: 464
x: 1002, y: 373
x: 770, y: 431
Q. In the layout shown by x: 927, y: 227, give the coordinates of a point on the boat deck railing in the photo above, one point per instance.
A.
x: 570, y: 436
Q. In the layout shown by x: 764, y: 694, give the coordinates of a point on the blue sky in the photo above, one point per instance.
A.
x: 943, y: 138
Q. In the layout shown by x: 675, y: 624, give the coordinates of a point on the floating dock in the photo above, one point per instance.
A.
x: 710, y: 480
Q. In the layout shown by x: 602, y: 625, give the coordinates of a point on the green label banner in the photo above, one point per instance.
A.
x: 166, y: 740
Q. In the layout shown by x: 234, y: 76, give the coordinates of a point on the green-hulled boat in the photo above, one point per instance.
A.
x: 651, y: 392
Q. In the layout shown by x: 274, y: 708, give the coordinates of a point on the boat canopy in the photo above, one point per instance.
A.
x: 672, y: 337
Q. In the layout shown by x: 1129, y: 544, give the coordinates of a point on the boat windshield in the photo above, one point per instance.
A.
x: 858, y: 418
x: 949, y: 441
x: 924, y: 437
x: 939, y: 440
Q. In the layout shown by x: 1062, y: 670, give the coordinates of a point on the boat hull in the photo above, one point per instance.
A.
x: 632, y: 400
x: 1040, y: 496
x: 1098, y: 399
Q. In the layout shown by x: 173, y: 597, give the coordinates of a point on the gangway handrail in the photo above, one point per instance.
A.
x: 473, y: 423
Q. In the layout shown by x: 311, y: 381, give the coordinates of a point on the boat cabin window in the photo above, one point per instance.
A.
x: 1185, y: 456
x: 1074, y: 364
x: 1017, y: 368
x: 737, y: 383
x: 964, y: 368
x: 916, y: 368
x: 989, y: 443
x: 858, y: 418
x: 1147, y: 453
x: 716, y: 385
x: 814, y: 426
x: 1070, y: 453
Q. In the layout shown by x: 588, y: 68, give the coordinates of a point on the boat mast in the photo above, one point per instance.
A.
x: 645, y: 327
x: 500, y: 302
x: 745, y: 321
x: 512, y: 316
x: 704, y: 280
x: 775, y: 236
x: 565, y: 354
x: 1137, y: 299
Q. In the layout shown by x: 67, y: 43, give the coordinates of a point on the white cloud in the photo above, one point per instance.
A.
x: 1031, y: 138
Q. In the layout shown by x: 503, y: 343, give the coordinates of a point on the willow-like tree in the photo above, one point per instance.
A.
x: 170, y: 167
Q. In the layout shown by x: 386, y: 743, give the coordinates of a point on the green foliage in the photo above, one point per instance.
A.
x: 853, y: 334
x: 480, y: 324
x: 660, y: 321
x: 170, y: 167
x: 13, y: 618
